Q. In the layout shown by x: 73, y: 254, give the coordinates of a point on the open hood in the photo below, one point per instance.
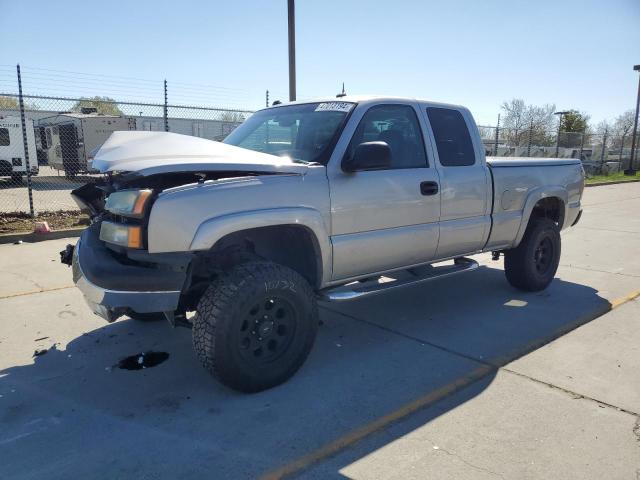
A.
x: 150, y: 153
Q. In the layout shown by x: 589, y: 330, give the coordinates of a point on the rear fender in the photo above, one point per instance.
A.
x: 549, y: 191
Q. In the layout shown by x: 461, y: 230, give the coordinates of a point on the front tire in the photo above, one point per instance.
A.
x: 255, y: 325
x: 532, y: 265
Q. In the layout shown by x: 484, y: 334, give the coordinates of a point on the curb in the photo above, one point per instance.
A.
x: 31, y: 237
x: 602, y: 184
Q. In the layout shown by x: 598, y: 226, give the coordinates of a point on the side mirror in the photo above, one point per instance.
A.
x: 368, y: 156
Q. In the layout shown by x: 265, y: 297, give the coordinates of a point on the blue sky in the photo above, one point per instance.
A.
x: 576, y: 54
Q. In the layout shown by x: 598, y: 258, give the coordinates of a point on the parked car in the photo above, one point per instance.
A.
x: 304, y: 202
x: 13, y: 161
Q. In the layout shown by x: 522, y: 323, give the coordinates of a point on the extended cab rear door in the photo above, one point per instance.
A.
x: 465, y: 182
x: 384, y: 219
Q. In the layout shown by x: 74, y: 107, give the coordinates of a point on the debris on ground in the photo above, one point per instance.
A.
x: 42, y: 227
x: 142, y: 360
x: 38, y: 339
x: 41, y: 351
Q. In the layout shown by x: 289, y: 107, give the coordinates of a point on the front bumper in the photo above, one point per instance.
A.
x: 112, y: 288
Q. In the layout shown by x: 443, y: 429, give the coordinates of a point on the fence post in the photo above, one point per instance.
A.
x: 25, y: 144
x: 529, y: 140
x: 584, y: 134
x: 620, y: 154
x: 495, y: 147
x: 166, y: 108
x: 604, y: 146
x: 267, y: 98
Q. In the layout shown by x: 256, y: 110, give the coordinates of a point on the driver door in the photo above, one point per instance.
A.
x: 385, y: 219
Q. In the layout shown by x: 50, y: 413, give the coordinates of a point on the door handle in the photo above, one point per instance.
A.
x: 428, y: 188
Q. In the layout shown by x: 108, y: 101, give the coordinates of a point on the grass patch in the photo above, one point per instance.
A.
x: 614, y: 177
x: 21, y: 222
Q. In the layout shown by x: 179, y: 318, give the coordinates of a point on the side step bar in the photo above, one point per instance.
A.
x: 400, y: 279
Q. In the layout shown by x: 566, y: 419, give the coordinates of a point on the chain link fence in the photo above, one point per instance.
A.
x: 47, y: 141
x: 601, y: 153
x: 47, y: 146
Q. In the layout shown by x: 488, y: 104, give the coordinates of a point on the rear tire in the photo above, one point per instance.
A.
x: 532, y: 265
x: 255, y: 325
x: 16, y: 178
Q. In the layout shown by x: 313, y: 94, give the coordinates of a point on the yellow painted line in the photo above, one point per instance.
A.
x: 360, y: 433
x: 627, y: 298
x: 32, y: 292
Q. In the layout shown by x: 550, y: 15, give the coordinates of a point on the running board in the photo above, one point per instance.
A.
x: 404, y: 278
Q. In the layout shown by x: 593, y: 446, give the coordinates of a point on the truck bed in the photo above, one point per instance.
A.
x: 497, y: 162
x: 517, y: 181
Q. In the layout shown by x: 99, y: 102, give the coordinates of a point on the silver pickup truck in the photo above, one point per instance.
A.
x: 330, y: 200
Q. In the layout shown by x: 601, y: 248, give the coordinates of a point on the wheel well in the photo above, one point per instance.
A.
x: 294, y: 246
x: 551, y: 208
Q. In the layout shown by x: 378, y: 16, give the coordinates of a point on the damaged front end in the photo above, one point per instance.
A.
x: 111, y: 264
x: 114, y: 285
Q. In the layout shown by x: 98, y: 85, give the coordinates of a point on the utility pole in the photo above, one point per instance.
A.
x: 634, y: 141
x: 292, y: 49
x: 562, y: 114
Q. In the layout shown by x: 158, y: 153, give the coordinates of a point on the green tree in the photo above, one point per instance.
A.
x: 11, y: 103
x: 8, y: 103
x: 103, y: 105
x: 572, y: 126
x: 574, y: 121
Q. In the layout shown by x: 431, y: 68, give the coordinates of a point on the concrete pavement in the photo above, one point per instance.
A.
x: 50, y: 192
x: 461, y: 378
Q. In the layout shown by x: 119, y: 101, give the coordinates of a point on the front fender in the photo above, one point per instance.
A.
x: 534, y: 197
x: 212, y: 230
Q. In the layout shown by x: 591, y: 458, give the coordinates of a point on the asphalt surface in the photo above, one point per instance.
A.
x: 459, y: 378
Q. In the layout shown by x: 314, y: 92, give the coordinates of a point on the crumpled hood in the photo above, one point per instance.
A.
x: 150, y: 153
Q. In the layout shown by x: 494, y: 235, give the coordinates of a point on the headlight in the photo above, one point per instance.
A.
x: 128, y: 203
x: 120, y: 234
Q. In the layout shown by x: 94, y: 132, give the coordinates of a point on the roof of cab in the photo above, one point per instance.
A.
x: 366, y: 99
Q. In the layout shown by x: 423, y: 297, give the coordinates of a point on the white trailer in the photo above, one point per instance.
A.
x: 71, y: 137
x: 12, y: 155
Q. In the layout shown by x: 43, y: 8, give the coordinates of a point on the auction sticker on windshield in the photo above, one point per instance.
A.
x: 334, y: 107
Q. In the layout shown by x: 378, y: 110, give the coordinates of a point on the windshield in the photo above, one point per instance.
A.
x: 305, y: 132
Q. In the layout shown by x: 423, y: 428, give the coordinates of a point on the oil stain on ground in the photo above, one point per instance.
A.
x: 143, y: 360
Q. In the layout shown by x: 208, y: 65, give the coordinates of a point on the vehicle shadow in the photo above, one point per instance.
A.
x: 75, y: 413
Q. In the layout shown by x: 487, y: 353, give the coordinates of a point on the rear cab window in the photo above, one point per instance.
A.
x: 453, y: 141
